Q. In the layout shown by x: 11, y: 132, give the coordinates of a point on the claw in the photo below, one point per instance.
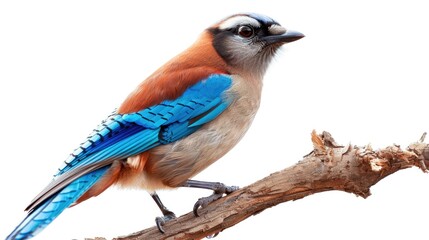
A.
x: 218, y: 193
x: 204, y: 201
x: 160, y: 221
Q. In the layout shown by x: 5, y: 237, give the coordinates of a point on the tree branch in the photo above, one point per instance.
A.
x: 328, y: 167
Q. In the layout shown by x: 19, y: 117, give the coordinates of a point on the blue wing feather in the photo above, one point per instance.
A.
x: 125, y: 135
x: 108, y: 139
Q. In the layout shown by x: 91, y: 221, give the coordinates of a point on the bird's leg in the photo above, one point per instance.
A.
x: 168, y: 215
x: 219, y: 189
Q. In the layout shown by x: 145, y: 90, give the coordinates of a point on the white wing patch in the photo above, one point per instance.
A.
x: 239, y: 20
x: 134, y: 161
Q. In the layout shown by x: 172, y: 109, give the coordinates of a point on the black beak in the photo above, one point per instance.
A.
x: 287, y: 37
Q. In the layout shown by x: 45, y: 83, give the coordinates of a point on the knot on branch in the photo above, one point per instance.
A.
x: 421, y: 150
x: 392, y: 158
x: 347, y: 165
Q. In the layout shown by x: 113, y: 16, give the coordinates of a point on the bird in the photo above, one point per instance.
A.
x: 182, y: 118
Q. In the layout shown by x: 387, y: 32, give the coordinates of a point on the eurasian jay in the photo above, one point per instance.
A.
x: 182, y: 118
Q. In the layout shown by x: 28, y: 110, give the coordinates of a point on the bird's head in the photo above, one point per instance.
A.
x: 248, y: 42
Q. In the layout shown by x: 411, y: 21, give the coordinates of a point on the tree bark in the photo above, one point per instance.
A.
x: 328, y: 167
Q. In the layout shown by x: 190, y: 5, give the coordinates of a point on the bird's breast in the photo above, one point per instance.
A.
x: 172, y: 164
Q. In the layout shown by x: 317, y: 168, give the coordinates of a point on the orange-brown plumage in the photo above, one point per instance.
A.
x: 119, y: 172
x: 171, y: 80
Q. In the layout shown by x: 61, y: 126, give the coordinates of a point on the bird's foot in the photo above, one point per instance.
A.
x: 160, y: 221
x: 219, y: 190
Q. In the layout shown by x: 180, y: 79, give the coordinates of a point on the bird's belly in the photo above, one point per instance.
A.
x: 174, y: 163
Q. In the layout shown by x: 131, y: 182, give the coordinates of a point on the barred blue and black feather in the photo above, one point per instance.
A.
x: 203, y: 102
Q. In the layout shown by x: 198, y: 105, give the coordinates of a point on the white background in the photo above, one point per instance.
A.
x: 361, y: 73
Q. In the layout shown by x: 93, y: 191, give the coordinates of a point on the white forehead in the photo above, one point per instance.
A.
x: 239, y: 20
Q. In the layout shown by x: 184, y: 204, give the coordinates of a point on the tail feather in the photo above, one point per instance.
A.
x: 42, y: 215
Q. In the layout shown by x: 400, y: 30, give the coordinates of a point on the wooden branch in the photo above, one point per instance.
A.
x: 328, y: 167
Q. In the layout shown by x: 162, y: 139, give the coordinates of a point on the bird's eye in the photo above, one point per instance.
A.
x: 245, y: 31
